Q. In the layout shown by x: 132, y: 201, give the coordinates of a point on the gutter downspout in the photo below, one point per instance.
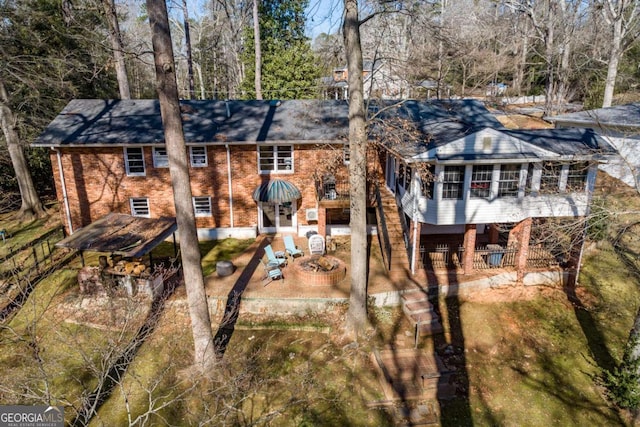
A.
x: 230, y: 187
x: 65, y: 198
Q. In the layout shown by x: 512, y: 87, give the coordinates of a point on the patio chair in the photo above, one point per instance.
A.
x: 291, y: 248
x: 275, y: 260
x: 271, y: 273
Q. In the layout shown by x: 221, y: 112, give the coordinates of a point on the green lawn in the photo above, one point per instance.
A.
x: 534, y: 360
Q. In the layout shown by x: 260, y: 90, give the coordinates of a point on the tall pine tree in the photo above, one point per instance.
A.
x: 289, y: 67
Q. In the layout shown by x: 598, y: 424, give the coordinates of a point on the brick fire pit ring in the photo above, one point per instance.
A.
x: 310, y: 276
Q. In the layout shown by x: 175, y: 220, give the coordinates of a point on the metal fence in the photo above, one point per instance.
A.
x: 30, y: 256
x: 444, y: 255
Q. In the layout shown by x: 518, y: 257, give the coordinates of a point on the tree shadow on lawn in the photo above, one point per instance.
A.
x: 116, y: 371
x: 554, y: 384
x: 590, y: 327
x: 454, y: 411
x: 232, y: 307
x: 591, y: 330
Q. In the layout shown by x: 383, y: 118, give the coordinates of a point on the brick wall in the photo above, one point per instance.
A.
x: 97, y: 183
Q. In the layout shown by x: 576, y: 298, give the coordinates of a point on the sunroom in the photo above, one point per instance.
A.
x: 471, y: 202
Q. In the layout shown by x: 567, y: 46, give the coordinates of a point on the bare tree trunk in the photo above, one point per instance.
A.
x: 258, y: 50
x: 440, y: 81
x: 521, y: 63
x: 187, y: 42
x: 31, y: 206
x: 118, y: 48
x: 204, y: 355
x: 549, y: 58
x: 612, y: 66
x: 357, y: 315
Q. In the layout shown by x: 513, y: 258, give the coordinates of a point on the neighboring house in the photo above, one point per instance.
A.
x: 271, y: 166
x: 620, y: 126
x: 379, y: 82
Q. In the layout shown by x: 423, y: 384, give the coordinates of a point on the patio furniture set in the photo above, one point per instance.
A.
x: 276, y: 260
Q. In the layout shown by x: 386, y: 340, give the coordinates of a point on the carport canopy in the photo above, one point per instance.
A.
x: 121, y: 234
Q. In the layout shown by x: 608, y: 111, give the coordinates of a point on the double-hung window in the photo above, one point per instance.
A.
x: 453, y: 182
x: 134, y: 161
x: 481, y: 181
x: 550, y: 177
x: 198, y: 156
x: 140, y: 206
x: 202, y: 206
x: 509, y: 182
x: 275, y: 158
x: 577, y: 176
x: 160, y: 157
x: 346, y: 153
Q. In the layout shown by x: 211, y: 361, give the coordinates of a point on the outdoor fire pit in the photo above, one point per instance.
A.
x: 319, y: 270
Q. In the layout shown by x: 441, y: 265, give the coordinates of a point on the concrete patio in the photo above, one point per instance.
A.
x: 290, y: 295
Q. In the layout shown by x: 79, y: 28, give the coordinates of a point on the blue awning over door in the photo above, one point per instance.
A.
x: 276, y: 191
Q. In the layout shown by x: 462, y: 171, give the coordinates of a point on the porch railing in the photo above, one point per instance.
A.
x: 540, y: 257
x: 444, y: 255
x: 332, y: 190
x: 383, y: 232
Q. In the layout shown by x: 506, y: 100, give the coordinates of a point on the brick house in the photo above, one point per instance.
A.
x: 280, y: 166
x: 110, y: 156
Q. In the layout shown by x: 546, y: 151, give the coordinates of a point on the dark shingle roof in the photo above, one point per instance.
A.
x: 117, y: 122
x: 440, y: 121
x: 428, y: 124
x: 566, y: 142
x: 627, y: 115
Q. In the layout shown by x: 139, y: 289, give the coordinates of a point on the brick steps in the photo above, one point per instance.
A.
x: 419, y: 310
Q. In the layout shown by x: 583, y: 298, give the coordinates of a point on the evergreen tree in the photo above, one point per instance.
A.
x: 48, y: 55
x: 289, y: 67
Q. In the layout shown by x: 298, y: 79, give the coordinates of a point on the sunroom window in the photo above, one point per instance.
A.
x: 453, y: 182
x: 577, y: 176
x: 509, y: 183
x: 481, y: 181
x: 550, y: 177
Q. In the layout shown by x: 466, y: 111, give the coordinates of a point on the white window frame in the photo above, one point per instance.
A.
x: 160, y: 160
x: 128, y: 160
x: 346, y: 153
x: 274, y: 150
x: 138, y: 203
x: 554, y: 178
x: 481, y: 180
x: 193, y: 157
x: 451, y: 186
x: 506, y: 180
x: 577, y: 174
x: 200, y: 201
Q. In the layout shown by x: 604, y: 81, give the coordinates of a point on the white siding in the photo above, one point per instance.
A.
x: 481, y: 211
x: 486, y: 142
